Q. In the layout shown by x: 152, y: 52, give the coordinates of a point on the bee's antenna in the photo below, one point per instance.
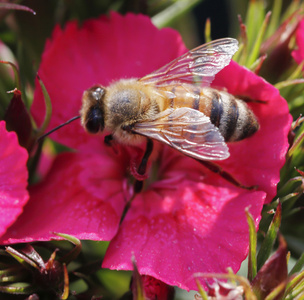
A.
x: 54, y: 129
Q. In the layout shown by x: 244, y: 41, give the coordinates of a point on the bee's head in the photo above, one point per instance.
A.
x: 92, y: 111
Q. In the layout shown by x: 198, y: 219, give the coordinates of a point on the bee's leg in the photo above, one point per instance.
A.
x: 108, y: 140
x: 247, y: 99
x: 217, y: 169
x: 138, y: 185
x: 143, y: 166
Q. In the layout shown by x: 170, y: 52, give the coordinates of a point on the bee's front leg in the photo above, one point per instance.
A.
x: 138, y: 185
x: 108, y: 140
x: 217, y: 169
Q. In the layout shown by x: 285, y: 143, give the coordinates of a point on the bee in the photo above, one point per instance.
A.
x: 174, y: 105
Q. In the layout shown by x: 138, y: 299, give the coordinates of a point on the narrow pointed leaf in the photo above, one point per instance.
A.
x: 298, y: 266
x: 252, y: 263
x: 291, y: 185
x: 66, y: 290
x: 208, y: 30
x: 73, y: 253
x: 288, y: 83
x: 277, y: 293
x: 241, y: 55
x: 48, y: 105
x: 137, y: 286
x: 296, y: 283
x: 16, y: 277
x: 24, y: 289
x: 201, y: 291
x: 297, y: 73
x: 270, y: 238
x: 171, y: 13
x: 288, y: 197
x: 298, y: 141
x: 9, y: 270
x: 21, y: 258
x: 295, y: 7
x: 254, y: 19
x: 255, y: 52
x: 275, y: 18
x: 257, y: 65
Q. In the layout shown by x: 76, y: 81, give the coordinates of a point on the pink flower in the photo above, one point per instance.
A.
x: 187, y: 219
x: 153, y: 289
x: 298, y: 54
x: 13, y: 178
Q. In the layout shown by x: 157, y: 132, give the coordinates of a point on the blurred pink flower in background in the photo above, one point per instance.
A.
x: 298, y: 54
x: 13, y: 178
x: 187, y: 219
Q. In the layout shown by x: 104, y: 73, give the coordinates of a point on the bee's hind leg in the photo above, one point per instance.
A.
x: 217, y: 169
x: 138, y: 185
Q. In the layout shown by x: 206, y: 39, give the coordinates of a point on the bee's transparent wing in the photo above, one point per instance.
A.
x: 188, y: 131
x: 196, y: 66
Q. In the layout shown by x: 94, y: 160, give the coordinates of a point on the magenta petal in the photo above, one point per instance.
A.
x: 190, y: 227
x: 13, y: 178
x: 298, y: 54
x: 73, y: 199
x: 101, y: 51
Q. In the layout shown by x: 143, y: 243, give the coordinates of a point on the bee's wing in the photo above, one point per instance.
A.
x: 196, y: 66
x: 188, y: 131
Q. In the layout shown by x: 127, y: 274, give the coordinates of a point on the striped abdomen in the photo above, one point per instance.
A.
x: 232, y: 116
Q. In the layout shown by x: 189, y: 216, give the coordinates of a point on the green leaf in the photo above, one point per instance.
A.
x: 48, y: 105
x: 252, y: 263
x: 21, y: 275
x: 201, y: 291
x: 298, y: 266
x: 256, y: 46
x: 275, y: 18
x: 137, y: 286
x: 65, y: 293
x: 73, y: 253
x: 174, y: 11
x: 277, y: 292
x: 295, y: 286
x: 17, y: 289
x: 292, y: 185
x: 254, y: 19
x: 270, y: 237
x: 208, y: 31
x: 21, y: 258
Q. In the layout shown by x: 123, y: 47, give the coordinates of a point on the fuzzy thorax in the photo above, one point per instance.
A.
x: 128, y: 102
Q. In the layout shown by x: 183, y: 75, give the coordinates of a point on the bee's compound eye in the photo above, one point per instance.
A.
x: 94, y: 120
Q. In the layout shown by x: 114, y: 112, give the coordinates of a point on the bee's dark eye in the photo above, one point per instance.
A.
x: 95, y: 120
